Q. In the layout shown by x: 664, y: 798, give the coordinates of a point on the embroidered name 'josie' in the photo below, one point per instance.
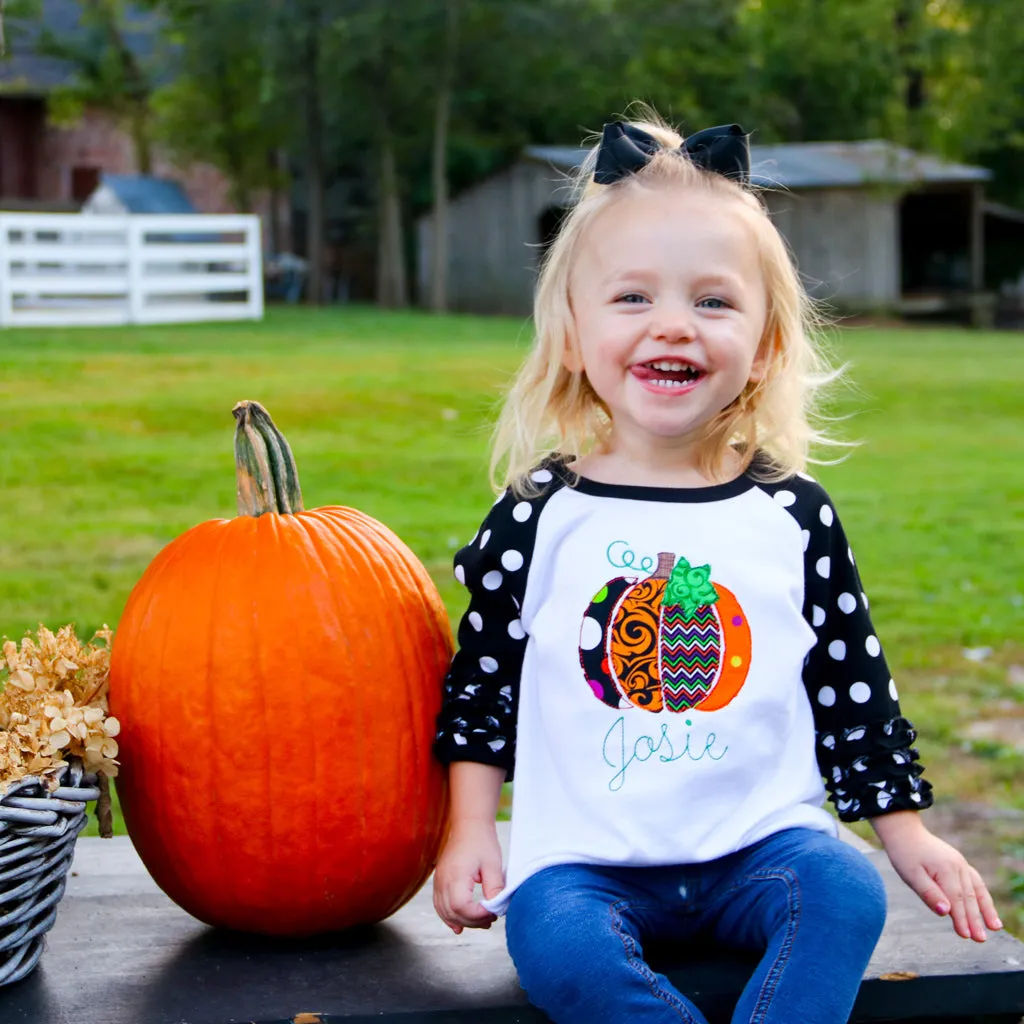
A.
x: 619, y: 753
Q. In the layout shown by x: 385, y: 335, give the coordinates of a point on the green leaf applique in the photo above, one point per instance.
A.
x: 690, y: 587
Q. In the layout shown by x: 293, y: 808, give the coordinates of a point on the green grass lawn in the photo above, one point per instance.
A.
x: 114, y: 441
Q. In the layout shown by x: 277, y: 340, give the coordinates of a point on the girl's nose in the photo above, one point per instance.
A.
x: 673, y: 326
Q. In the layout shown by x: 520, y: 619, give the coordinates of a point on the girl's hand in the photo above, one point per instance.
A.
x: 472, y: 854
x: 939, y: 874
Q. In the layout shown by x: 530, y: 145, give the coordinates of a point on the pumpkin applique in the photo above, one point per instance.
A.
x: 672, y: 641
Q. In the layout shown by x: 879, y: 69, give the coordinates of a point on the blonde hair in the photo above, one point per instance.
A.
x: 550, y: 408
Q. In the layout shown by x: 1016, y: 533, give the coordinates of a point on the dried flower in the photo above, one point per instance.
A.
x: 53, y: 705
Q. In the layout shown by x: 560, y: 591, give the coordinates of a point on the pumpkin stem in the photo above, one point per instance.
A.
x: 265, y: 467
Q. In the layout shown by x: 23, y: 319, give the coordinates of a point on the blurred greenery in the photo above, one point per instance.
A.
x: 116, y: 441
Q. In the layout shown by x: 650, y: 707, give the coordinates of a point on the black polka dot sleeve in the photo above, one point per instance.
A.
x: 864, y: 744
x: 477, y: 721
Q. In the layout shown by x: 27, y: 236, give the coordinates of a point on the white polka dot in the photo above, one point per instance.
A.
x: 847, y: 603
x: 542, y: 476
x: 512, y: 560
x: 892, y: 690
x: 522, y: 512
x: 590, y: 633
x: 476, y: 621
x: 492, y: 580
x: 785, y: 498
x: 872, y: 646
x: 825, y: 515
x: 864, y: 598
x: 817, y: 616
x: 515, y: 629
x: 806, y: 535
x: 823, y: 566
x: 496, y: 745
x: 860, y: 693
x: 829, y: 741
x: 916, y: 797
x: 837, y: 650
x: 883, y: 798
x: 460, y: 574
x: 826, y: 696
x: 485, y: 537
x: 460, y: 740
x: 488, y: 664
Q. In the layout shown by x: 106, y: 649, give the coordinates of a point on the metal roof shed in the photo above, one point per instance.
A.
x: 872, y: 225
x: 137, y: 193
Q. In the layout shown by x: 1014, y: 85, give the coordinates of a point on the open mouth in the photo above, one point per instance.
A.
x: 667, y: 373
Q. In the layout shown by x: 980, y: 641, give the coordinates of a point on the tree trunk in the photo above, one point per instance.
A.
x: 914, y: 96
x: 136, y: 86
x: 442, y: 117
x: 314, y: 163
x: 277, y: 194
x: 141, y: 142
x: 392, y: 290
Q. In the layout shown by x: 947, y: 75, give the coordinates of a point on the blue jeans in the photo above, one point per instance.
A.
x: 810, y: 903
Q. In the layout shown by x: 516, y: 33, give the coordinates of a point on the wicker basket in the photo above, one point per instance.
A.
x: 38, y: 830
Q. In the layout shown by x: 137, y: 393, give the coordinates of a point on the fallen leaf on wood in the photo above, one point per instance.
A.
x: 307, y: 1018
x: 898, y: 976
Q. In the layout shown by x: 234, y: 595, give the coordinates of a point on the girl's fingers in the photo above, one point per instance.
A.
x: 987, y: 907
x: 949, y: 879
x: 930, y: 891
x: 973, y: 911
x: 443, y: 908
x: 458, y: 909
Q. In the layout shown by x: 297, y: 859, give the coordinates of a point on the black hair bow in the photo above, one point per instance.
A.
x: 625, y: 150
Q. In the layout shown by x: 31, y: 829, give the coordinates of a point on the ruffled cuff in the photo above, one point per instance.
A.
x: 476, y: 722
x: 873, y: 769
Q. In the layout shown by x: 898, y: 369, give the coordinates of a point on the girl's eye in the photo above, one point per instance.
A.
x: 632, y: 298
x: 714, y: 302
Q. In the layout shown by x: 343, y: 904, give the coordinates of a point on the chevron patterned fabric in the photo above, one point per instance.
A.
x: 690, y: 655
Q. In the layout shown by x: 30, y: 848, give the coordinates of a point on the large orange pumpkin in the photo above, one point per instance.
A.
x: 277, y: 676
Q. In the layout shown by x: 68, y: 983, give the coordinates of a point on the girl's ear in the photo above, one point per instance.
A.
x: 762, y: 359
x: 572, y: 360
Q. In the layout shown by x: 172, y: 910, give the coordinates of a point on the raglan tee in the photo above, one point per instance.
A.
x: 671, y: 674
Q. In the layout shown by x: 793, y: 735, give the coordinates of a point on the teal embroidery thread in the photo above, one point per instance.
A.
x: 645, y: 747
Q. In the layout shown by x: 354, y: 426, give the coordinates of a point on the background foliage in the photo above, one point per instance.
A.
x: 360, y: 96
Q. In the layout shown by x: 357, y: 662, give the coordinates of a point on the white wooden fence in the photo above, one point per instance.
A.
x: 77, y: 269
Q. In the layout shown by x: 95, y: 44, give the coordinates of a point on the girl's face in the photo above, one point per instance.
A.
x: 669, y: 305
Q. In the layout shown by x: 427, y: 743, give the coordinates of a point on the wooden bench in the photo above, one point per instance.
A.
x: 122, y: 953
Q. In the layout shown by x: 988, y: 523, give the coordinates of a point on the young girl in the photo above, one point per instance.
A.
x: 667, y: 639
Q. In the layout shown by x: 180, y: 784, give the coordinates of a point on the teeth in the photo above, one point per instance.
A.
x: 669, y: 364
x: 671, y: 383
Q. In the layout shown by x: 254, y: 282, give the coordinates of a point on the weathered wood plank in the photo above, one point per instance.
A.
x: 122, y: 953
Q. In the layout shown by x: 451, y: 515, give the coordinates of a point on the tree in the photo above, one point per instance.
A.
x: 439, y: 164
x: 220, y: 106
x: 109, y: 75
